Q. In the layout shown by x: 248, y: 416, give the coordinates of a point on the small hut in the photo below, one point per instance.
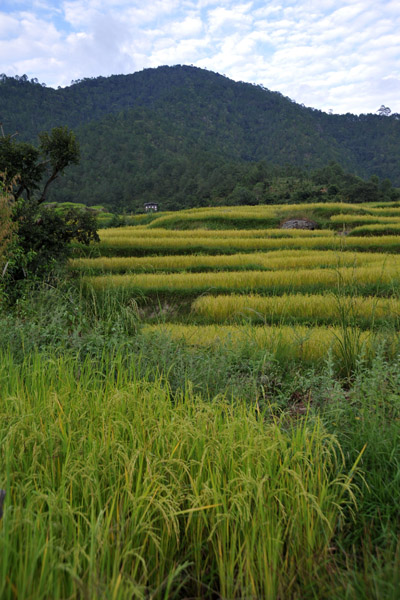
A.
x: 150, y: 207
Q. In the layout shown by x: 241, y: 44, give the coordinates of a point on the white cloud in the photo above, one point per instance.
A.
x: 340, y: 54
x: 190, y: 26
x: 235, y: 16
x: 9, y: 27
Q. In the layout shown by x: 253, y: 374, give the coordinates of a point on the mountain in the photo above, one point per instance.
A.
x: 185, y: 136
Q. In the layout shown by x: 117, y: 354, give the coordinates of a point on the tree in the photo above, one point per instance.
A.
x: 43, y: 232
x: 29, y: 171
x: 21, y: 171
x: 61, y: 149
x: 383, y: 111
x: 7, y: 229
x: 45, y: 236
x: 241, y: 195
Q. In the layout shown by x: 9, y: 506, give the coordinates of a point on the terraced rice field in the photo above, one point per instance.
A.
x: 269, y: 261
x: 292, y: 291
x: 318, y: 307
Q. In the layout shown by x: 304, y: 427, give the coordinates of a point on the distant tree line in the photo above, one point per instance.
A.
x: 183, y: 136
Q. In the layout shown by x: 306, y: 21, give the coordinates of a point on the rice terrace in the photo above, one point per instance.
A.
x: 208, y: 407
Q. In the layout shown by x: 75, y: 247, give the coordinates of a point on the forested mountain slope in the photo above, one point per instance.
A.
x: 185, y: 136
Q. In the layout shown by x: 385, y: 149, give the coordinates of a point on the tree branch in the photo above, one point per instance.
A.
x: 43, y: 195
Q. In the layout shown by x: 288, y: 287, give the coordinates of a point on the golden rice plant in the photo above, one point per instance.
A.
x: 218, y: 244
x: 392, y: 228
x: 385, y: 211
x: 126, y: 231
x: 308, y: 344
x: 378, y: 243
x: 274, y: 260
x: 142, y: 232
x: 293, y: 280
x: 390, y: 243
x: 225, y: 308
x: 364, y: 218
x: 260, y: 211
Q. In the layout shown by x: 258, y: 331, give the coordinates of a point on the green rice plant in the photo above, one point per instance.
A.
x: 322, y: 307
x: 114, y: 489
x: 368, y: 574
x: 351, y: 347
x: 367, y: 413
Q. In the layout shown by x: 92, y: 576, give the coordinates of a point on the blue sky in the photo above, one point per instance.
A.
x: 340, y: 55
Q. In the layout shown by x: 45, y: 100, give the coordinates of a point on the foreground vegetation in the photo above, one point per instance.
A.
x: 135, y: 466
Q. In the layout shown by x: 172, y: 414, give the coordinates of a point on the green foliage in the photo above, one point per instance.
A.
x: 43, y: 235
x: 61, y: 147
x: 60, y: 150
x: 7, y: 229
x: 20, y: 168
x: 25, y: 168
x: 81, y: 380
x: 117, y: 221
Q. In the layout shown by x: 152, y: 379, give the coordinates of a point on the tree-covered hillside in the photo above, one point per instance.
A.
x: 184, y: 136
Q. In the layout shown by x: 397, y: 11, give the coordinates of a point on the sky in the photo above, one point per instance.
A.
x: 333, y: 55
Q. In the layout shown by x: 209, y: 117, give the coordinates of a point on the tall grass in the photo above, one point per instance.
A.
x: 118, y: 490
x: 104, y: 446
